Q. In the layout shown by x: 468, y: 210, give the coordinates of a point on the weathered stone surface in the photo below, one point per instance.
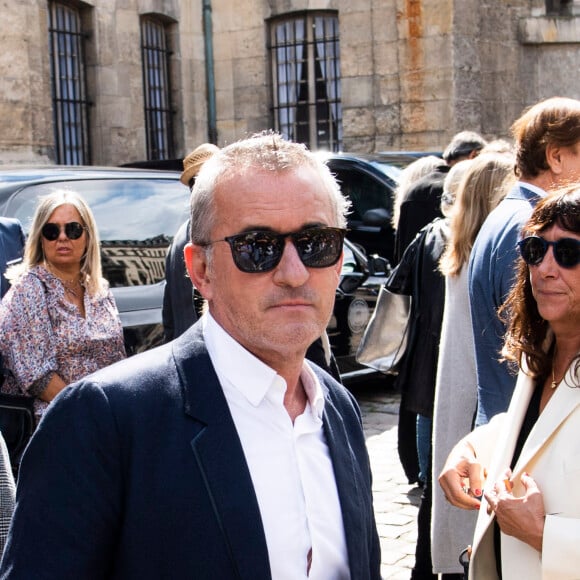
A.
x: 413, y: 71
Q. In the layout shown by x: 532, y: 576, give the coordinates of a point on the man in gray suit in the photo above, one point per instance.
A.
x: 223, y: 454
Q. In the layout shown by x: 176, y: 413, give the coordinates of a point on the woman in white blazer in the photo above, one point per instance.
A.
x: 521, y: 470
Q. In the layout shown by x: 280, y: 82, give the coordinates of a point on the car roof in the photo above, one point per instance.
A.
x: 39, y: 172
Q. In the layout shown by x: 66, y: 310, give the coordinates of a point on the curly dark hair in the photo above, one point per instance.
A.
x: 527, y: 331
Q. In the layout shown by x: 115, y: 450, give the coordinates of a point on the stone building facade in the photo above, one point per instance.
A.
x: 384, y: 74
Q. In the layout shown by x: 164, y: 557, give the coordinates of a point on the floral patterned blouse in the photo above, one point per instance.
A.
x: 42, y: 333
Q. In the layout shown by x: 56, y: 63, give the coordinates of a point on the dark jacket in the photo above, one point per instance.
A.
x: 137, y: 472
x: 178, y: 311
x: 420, y: 206
x: 11, y: 247
x: 418, y: 276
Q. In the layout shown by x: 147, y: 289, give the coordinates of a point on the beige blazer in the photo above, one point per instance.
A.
x: 551, y: 455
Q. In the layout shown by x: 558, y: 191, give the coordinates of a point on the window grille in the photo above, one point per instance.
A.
x: 158, y: 114
x: 562, y: 7
x: 305, y: 60
x: 70, y: 105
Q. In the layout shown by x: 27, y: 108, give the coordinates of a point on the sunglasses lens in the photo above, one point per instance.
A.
x: 50, y: 232
x: 73, y: 230
x: 262, y: 251
x: 256, y: 251
x: 567, y: 252
x: 533, y: 250
x: 319, y: 247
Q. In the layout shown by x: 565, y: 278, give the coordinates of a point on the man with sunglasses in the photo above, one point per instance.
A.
x: 224, y: 453
x: 547, y: 145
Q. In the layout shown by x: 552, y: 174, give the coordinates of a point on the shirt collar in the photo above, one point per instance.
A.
x: 238, y: 367
x: 533, y: 188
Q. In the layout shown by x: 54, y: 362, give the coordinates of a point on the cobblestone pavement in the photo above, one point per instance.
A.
x: 396, y: 502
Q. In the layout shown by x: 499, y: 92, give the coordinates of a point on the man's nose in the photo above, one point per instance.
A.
x: 291, y: 271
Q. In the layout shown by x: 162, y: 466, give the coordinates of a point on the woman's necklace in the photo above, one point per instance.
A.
x: 556, y: 382
x: 72, y: 287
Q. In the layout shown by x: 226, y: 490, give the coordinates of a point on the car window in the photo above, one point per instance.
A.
x: 390, y: 169
x: 365, y: 192
x: 137, y: 219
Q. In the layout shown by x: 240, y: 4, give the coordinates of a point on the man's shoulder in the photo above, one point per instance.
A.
x: 157, y: 367
x: 427, y: 186
x: 503, y: 223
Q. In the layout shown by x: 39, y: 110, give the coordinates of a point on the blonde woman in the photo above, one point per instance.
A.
x: 58, y: 321
x: 483, y: 185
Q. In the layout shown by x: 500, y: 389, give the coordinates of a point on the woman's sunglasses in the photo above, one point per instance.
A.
x: 566, y: 251
x: 261, y: 251
x: 72, y: 230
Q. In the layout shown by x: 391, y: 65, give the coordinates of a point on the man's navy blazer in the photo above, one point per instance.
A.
x: 137, y: 472
x: 11, y: 247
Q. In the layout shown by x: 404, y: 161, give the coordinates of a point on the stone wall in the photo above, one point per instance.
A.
x: 414, y: 72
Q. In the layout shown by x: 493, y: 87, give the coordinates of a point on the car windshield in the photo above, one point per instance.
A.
x: 136, y: 218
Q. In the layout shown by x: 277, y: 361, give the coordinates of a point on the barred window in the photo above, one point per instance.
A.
x: 305, y: 59
x: 67, y: 67
x: 158, y: 114
x: 562, y: 7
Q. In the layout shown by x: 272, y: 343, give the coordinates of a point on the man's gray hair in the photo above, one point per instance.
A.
x: 267, y: 151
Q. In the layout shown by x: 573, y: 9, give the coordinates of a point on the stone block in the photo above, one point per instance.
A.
x: 424, y: 115
x: 358, y: 91
x: 356, y: 60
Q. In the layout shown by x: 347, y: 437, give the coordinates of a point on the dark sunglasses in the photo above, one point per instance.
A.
x: 261, y: 251
x: 73, y: 231
x: 566, y: 251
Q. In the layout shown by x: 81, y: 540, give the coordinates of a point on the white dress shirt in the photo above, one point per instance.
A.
x: 290, y: 464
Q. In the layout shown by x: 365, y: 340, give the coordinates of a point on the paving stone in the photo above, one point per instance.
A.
x: 396, y: 502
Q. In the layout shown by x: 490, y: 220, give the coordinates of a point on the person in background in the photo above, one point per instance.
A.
x: 485, y: 182
x: 421, y: 202
x: 420, y: 205
x: 408, y: 177
x: 547, y: 146
x: 224, y: 453
x: 417, y: 276
x: 58, y: 321
x: 525, y: 460
x: 178, y: 312
x: 11, y: 248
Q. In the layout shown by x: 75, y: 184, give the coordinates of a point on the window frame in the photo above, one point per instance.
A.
x: 304, y: 49
x: 70, y: 105
x: 156, y: 66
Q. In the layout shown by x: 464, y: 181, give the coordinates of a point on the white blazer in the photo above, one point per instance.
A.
x: 551, y: 455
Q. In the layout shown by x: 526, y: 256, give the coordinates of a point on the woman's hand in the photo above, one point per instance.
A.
x: 462, y: 477
x: 520, y: 517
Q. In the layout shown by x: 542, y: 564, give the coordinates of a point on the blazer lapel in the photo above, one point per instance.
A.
x: 347, y: 476
x: 562, y: 403
x: 220, y: 457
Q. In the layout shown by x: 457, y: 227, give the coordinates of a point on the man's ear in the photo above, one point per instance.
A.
x: 197, y: 267
x: 554, y: 158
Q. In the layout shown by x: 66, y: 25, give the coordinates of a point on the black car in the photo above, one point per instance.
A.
x: 137, y: 212
x: 369, y: 181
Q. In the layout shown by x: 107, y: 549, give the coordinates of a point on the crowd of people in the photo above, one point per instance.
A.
x: 233, y: 451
